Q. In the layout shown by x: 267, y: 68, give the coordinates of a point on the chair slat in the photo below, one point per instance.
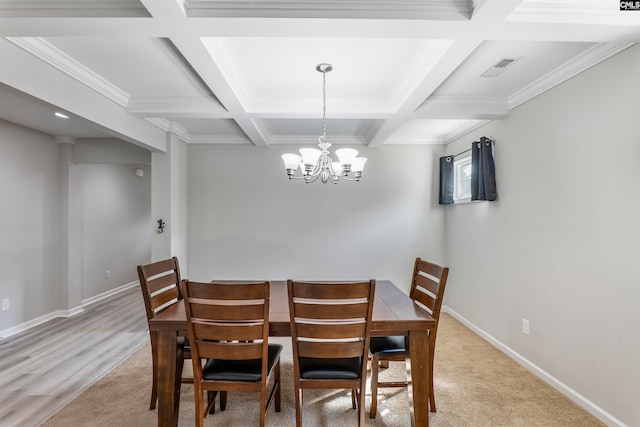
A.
x: 229, y: 291
x: 424, y: 299
x: 229, y: 351
x: 426, y: 283
x: 330, y: 290
x: 330, y: 350
x: 227, y: 312
x: 330, y: 331
x: 333, y: 311
x: 159, y: 267
x: 163, y: 298
x: 240, y: 332
x: 157, y: 283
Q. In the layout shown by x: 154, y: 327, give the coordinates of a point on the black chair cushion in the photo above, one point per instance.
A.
x: 387, y: 345
x: 239, y: 370
x: 316, y: 368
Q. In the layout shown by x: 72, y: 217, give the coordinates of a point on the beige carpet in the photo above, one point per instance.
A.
x: 476, y: 385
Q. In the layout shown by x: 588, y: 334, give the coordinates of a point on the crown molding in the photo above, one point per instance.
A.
x: 414, y: 141
x: 75, y: 8
x: 198, y: 107
x: 65, y: 139
x: 220, y: 139
x: 313, y: 140
x: 390, y: 9
x: 582, y: 62
x: 462, y: 130
x: 463, y: 108
x: 60, y: 60
x: 169, y: 127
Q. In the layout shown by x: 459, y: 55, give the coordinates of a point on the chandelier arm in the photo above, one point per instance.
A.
x: 312, y: 178
x: 347, y: 178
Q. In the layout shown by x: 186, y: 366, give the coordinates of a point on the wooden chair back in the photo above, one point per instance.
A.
x: 331, y: 320
x: 427, y: 286
x: 160, y: 282
x: 228, y: 320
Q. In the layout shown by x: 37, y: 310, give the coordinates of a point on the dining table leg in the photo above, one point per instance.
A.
x: 168, y: 390
x: 418, y: 380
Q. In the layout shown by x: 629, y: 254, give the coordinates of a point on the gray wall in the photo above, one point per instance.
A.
x: 560, y: 246
x: 246, y: 219
x: 113, y: 206
x: 29, y: 216
x: 103, y: 208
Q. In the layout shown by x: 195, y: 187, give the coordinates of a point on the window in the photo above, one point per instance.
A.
x: 462, y: 178
x: 468, y: 176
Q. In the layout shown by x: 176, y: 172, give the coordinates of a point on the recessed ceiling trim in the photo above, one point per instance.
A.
x: 414, y: 141
x: 311, y: 108
x: 73, y: 8
x: 463, y: 108
x: 220, y: 139
x: 202, y: 107
x: 170, y: 127
x: 462, y: 130
x: 58, y: 59
x: 583, y: 12
x: 306, y: 139
x: 390, y: 9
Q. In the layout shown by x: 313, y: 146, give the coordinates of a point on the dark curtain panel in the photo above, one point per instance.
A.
x: 483, y: 170
x: 446, y: 180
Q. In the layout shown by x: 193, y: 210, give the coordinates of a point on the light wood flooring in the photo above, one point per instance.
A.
x: 44, y: 368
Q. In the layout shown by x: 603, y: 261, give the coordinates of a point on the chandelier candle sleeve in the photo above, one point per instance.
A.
x: 314, y: 163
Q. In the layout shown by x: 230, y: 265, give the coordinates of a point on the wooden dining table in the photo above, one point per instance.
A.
x: 394, y: 313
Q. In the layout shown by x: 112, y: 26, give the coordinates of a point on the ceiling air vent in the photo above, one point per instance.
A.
x: 499, y: 67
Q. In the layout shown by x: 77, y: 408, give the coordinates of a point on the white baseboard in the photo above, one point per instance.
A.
x: 109, y: 293
x: 567, y: 391
x: 64, y: 313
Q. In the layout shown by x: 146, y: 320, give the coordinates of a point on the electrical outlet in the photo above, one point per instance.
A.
x: 5, y: 304
x: 107, y: 274
x: 525, y: 326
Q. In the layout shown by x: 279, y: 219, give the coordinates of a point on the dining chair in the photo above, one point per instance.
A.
x: 228, y: 325
x: 160, y: 283
x: 427, y: 289
x: 330, y: 332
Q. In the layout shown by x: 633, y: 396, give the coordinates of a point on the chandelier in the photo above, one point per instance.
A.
x: 314, y: 163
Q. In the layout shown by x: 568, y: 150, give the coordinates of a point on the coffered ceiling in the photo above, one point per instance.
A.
x: 243, y: 72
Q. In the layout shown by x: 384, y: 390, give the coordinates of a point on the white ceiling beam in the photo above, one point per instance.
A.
x: 194, y: 51
x: 451, y: 60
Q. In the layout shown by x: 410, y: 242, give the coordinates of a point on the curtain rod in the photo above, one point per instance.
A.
x: 493, y: 141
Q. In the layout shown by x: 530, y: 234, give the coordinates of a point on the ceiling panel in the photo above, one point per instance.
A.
x: 533, y: 60
x: 141, y: 67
